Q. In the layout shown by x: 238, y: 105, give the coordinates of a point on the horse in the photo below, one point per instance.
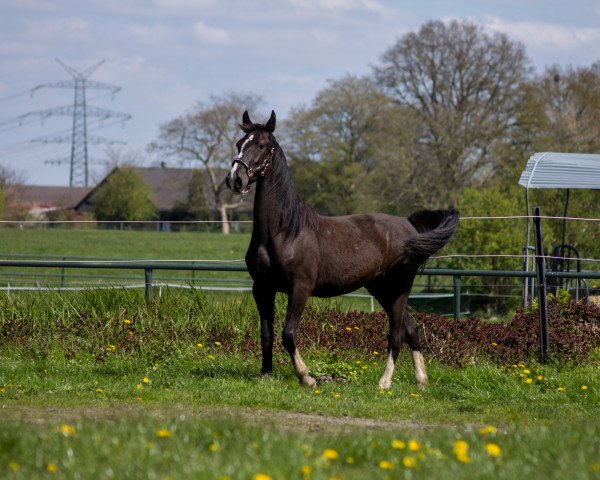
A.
x: 300, y: 253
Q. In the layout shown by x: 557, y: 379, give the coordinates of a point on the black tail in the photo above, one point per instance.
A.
x: 435, y: 228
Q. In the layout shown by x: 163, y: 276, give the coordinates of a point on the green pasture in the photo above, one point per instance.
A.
x: 101, y: 384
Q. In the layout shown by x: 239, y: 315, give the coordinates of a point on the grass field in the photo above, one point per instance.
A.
x: 102, y: 384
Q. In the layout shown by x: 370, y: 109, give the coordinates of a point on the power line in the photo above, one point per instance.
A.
x: 79, y: 111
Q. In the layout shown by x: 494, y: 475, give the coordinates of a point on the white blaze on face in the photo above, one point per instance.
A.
x: 235, y: 166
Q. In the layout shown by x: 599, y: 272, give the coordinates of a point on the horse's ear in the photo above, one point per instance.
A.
x: 270, y: 125
x: 246, y: 118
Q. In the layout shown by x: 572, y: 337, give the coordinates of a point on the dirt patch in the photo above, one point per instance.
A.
x: 305, y: 422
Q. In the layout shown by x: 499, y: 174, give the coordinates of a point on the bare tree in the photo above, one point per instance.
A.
x: 207, y: 135
x: 463, y: 87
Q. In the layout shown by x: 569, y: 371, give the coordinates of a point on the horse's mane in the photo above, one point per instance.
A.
x: 294, y: 213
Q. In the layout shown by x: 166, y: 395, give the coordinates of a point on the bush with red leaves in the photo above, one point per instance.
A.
x: 574, y: 331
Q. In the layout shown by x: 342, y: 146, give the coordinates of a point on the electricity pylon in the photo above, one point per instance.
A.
x: 80, y: 111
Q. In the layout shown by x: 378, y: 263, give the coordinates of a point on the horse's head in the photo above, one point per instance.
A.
x: 255, y: 153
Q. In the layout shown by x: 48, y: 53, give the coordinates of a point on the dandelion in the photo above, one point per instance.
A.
x: 526, y: 371
x: 461, y: 451
x: 51, y: 467
x: 130, y: 332
x: 218, y: 344
x: 14, y: 466
x: 584, y: 387
x: 336, y: 395
x: 210, y: 357
x: 163, y: 433
x: 146, y: 380
x: 528, y: 380
x: 375, y: 353
x: 213, y: 447
x: 414, y: 446
x: 111, y: 348
x: 493, y: 450
x: 349, y: 460
x: 348, y: 329
x: 560, y: 389
x: 127, y: 321
x: 409, y: 462
x: 386, y: 465
x: 520, y: 365
x: 138, y: 386
x: 199, y: 345
x: 316, y: 391
x: 99, y: 390
x: 305, y: 471
x: 540, y: 377
x: 261, y: 476
x: 330, y: 454
x: 415, y: 395
x: 139, y: 399
x: 398, y: 444
x: 494, y: 344
x: 67, y: 430
x: 487, y: 430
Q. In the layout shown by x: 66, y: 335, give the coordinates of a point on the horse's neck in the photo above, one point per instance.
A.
x: 275, y: 201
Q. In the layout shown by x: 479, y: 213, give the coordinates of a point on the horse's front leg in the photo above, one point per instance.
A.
x: 265, y: 302
x: 296, y: 302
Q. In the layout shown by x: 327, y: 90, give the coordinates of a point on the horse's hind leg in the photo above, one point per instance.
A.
x: 412, y: 338
x: 395, y: 313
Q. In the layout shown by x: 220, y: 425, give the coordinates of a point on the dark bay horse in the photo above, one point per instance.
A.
x: 300, y: 253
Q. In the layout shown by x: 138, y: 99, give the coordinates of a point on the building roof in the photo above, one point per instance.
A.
x: 49, y: 196
x: 562, y: 170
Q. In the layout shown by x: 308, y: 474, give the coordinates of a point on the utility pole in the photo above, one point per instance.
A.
x: 80, y: 111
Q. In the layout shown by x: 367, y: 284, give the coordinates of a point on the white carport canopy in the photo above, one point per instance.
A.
x: 562, y: 170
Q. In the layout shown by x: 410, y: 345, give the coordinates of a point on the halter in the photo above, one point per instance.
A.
x: 253, y: 172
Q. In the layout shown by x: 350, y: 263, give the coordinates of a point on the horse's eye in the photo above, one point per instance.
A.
x: 260, y: 146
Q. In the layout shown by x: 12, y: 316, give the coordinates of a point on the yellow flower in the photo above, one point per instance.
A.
x: 111, y: 348
x: 51, y: 467
x: 409, y: 462
x: 349, y: 329
x: 540, y: 377
x: 146, y: 380
x: 218, y: 344
x: 67, y: 430
x: 127, y: 321
x: 386, y: 465
x: 527, y: 371
x: 99, y: 390
x: 330, y: 454
x: 305, y: 471
x: 398, y: 444
x: 210, y: 357
x: 461, y: 451
x: 494, y: 344
x: 14, y: 466
x: 213, y: 447
x: 138, y: 386
x: 413, y: 445
x: 521, y: 365
x: 493, y: 450
x: 375, y: 353
x: 261, y: 476
x: 163, y: 433
x: 488, y: 429
x: 336, y: 395
x: 199, y: 345
x: 316, y: 391
x: 349, y: 460
x: 415, y: 395
x: 584, y: 387
x: 560, y: 389
x: 528, y: 380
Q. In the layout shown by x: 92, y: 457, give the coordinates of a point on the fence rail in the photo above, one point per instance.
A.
x: 148, y: 267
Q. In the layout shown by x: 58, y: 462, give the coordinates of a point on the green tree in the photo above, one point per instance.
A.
x: 124, y: 196
x: 464, y: 87
x: 207, y: 135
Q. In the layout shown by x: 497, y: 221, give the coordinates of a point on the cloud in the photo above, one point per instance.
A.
x: 70, y: 28
x: 370, y: 5
x: 151, y: 34
x: 545, y: 36
x: 208, y: 34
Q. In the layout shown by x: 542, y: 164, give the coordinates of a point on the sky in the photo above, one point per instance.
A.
x: 168, y: 55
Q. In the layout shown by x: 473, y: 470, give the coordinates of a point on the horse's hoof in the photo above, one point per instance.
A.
x: 385, y: 384
x: 309, y: 382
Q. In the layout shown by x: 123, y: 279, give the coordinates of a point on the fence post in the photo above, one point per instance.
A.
x: 456, y: 282
x: 148, y: 282
x: 541, y: 274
